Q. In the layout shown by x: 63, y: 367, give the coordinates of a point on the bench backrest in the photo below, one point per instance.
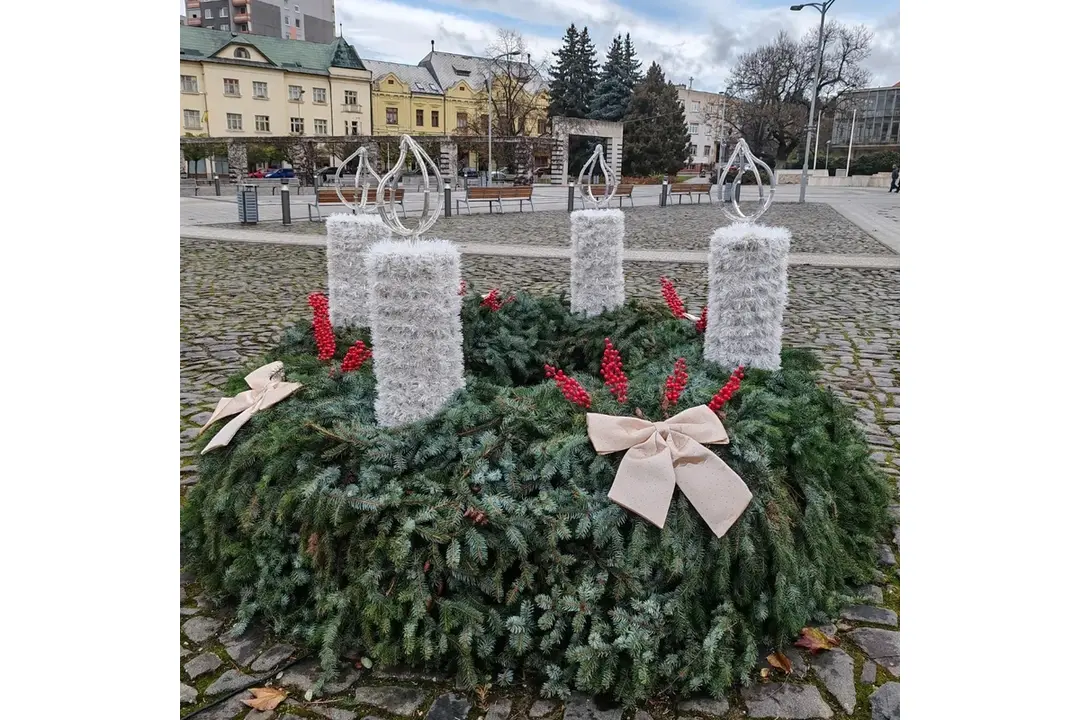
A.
x: 690, y: 188
x: 329, y: 196
x: 621, y: 189
x: 484, y: 193
x: 517, y: 192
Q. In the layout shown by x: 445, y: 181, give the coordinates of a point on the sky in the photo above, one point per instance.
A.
x: 689, y: 38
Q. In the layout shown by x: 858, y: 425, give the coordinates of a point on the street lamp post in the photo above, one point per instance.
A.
x: 817, y: 137
x: 823, y: 7
x: 491, y: 108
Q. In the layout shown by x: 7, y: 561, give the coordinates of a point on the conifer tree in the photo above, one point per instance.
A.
x: 655, y: 135
x: 587, y: 75
x: 562, y: 92
x: 631, y: 65
x: 612, y: 93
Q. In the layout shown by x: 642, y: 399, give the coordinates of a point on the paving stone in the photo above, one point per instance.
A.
x: 580, y: 707
x: 869, y: 673
x: 199, y: 629
x: 242, y: 651
x: 273, y: 657
x: 332, y: 712
x: 871, y: 593
x: 499, y: 710
x: 230, y: 681
x: 184, y: 651
x: 260, y: 715
x: 449, y: 707
x: 789, y: 701
x: 542, y: 707
x: 870, y: 614
x: 226, y: 710
x: 704, y: 706
x: 202, y: 664
x: 885, y: 556
x: 837, y: 671
x: 188, y: 611
x: 885, y: 702
x: 396, y: 700
x: 188, y: 694
x: 881, y: 646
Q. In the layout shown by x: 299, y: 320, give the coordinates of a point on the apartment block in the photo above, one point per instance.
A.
x: 309, y: 20
x: 709, y: 123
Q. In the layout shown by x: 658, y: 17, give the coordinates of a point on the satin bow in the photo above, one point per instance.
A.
x: 267, y: 388
x: 662, y: 455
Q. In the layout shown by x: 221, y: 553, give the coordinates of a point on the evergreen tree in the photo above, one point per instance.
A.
x: 631, y: 65
x: 612, y: 93
x: 561, y: 93
x: 587, y: 74
x: 655, y: 136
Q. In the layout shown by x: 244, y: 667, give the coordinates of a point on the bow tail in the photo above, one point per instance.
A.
x: 715, y: 490
x: 225, y: 434
x: 645, y: 483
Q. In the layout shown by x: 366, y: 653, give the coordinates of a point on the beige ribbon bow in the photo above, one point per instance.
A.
x: 665, y: 454
x: 267, y: 388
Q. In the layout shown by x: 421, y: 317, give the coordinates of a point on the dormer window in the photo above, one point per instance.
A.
x: 242, y: 54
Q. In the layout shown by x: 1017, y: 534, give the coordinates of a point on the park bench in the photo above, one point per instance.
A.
x: 621, y: 191
x: 689, y: 189
x: 328, y: 196
x: 492, y: 195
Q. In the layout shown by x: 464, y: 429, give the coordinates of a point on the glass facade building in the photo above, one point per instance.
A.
x: 877, y: 118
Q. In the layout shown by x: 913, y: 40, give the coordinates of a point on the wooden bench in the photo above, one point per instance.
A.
x: 493, y: 195
x: 329, y: 196
x: 621, y: 191
x: 689, y: 189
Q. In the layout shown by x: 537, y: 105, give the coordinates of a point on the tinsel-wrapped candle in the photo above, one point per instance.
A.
x: 416, y: 339
x: 596, y: 261
x: 348, y: 239
x: 747, y: 295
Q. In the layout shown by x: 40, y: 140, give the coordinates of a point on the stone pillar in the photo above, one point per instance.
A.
x: 559, y: 150
x: 348, y: 239
x: 238, y: 157
x: 415, y: 328
x: 747, y: 294
x: 614, y: 157
x: 448, y: 161
x: 596, y: 261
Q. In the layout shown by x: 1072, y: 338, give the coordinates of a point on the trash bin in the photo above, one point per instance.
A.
x: 247, y: 203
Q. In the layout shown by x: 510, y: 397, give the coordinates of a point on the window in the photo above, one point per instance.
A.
x: 462, y: 121
x: 318, y: 95
x: 320, y: 127
x: 707, y: 151
x: 234, y: 121
x: 259, y: 90
x: 695, y: 106
x: 296, y: 125
x: 224, y: 27
x: 434, y: 118
x: 232, y: 87
x: 540, y: 126
x: 389, y: 81
x: 419, y: 118
x: 189, y: 84
x: 350, y: 97
x: 355, y: 127
x: 262, y: 123
x: 223, y: 12
x: 192, y: 120
x: 484, y: 120
x: 297, y: 22
x: 296, y: 93
x: 208, y: 14
x: 241, y: 53
x: 693, y: 128
x: 693, y: 151
x: 296, y: 8
x: 419, y: 86
x: 391, y: 116
x: 288, y: 21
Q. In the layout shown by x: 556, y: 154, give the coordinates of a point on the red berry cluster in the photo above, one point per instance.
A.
x: 725, y: 393
x: 358, y: 354
x: 676, y: 382
x: 492, y: 301
x: 672, y: 298
x: 462, y: 288
x: 612, y: 372
x: 702, y: 323
x: 324, y: 333
x: 571, y: 388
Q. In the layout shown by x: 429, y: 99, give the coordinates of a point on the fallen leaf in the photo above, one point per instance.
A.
x: 815, y: 641
x: 366, y: 662
x: 764, y: 673
x: 780, y: 661
x: 308, y: 695
x: 265, y: 698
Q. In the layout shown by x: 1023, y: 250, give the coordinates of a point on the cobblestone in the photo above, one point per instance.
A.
x: 785, y: 700
x: 837, y: 671
x: 200, y: 629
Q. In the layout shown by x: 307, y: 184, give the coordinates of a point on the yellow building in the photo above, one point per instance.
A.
x: 405, y: 99
x: 242, y: 85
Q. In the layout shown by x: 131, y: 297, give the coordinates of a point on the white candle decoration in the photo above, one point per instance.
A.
x: 596, y: 261
x: 348, y: 239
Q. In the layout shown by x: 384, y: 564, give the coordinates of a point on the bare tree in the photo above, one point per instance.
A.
x: 776, y: 81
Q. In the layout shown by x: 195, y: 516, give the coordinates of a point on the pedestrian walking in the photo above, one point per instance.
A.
x: 895, y: 185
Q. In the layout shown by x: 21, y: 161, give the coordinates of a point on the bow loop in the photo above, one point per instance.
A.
x: 267, y: 389
x: 666, y: 454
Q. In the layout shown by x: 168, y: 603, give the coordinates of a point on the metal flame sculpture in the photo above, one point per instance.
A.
x: 429, y: 215
x: 747, y: 158
x: 609, y: 182
x: 363, y: 167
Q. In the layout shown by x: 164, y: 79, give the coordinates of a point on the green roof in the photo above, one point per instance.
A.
x: 298, y: 55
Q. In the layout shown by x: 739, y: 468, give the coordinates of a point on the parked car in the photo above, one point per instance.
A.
x: 469, y: 173
x: 500, y: 176
x: 281, y: 173
x: 541, y: 172
x: 257, y: 174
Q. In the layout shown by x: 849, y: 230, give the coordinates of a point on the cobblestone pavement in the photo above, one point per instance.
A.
x: 815, y: 228
x: 237, y: 297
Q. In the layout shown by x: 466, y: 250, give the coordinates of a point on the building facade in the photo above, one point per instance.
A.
x: 309, y: 20
x: 876, y: 112
x: 239, y: 85
x: 709, y: 123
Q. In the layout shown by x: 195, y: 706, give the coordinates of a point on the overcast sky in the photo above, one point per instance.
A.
x: 695, y: 38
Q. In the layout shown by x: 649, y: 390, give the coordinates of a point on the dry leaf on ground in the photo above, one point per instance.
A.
x: 815, y: 641
x: 265, y: 698
x: 780, y: 661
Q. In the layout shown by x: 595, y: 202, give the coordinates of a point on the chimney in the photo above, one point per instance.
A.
x: 432, y: 46
x: 528, y: 60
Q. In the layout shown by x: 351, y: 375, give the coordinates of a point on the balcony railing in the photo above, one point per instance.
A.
x: 194, y: 22
x: 351, y: 108
x: 241, y: 17
x: 192, y: 4
x: 240, y: 3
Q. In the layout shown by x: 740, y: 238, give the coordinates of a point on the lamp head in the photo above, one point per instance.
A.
x: 797, y: 8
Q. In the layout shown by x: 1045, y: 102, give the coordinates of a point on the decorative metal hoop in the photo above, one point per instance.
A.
x: 428, y: 217
x: 609, y: 182
x: 363, y: 167
x: 741, y: 148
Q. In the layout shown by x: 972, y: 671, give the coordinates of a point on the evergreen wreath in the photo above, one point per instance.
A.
x: 482, y: 540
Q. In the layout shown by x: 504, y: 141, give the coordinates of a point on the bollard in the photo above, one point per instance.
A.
x: 446, y: 198
x: 286, y: 209
x: 217, y: 185
x: 663, y: 193
x: 570, y: 197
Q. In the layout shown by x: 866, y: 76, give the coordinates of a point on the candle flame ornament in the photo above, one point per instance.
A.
x: 363, y: 168
x: 748, y: 158
x: 429, y: 215
x: 586, y: 172
x: 597, y: 234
